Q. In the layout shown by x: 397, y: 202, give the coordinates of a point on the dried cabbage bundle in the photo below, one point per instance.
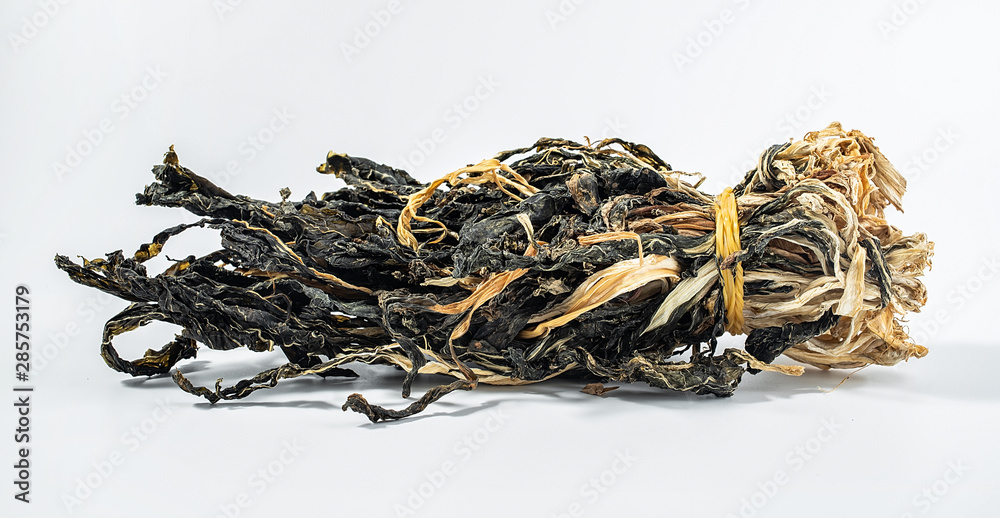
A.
x: 560, y: 258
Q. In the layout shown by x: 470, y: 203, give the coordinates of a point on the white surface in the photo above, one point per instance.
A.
x: 606, y: 68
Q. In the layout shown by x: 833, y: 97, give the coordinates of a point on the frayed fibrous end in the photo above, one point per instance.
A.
x: 872, y: 291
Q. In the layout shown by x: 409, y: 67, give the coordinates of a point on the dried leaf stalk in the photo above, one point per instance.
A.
x: 595, y: 260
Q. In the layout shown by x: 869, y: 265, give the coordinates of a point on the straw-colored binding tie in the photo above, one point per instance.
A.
x: 727, y: 243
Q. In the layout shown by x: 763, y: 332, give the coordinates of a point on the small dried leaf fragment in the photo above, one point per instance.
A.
x: 596, y: 389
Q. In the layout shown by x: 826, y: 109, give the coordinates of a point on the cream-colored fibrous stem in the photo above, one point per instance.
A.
x: 603, y: 286
x: 487, y: 171
x: 857, y: 184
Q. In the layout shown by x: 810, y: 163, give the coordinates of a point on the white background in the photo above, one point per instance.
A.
x: 707, y: 86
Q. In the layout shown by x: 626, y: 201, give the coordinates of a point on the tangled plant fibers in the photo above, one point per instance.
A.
x: 560, y: 258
